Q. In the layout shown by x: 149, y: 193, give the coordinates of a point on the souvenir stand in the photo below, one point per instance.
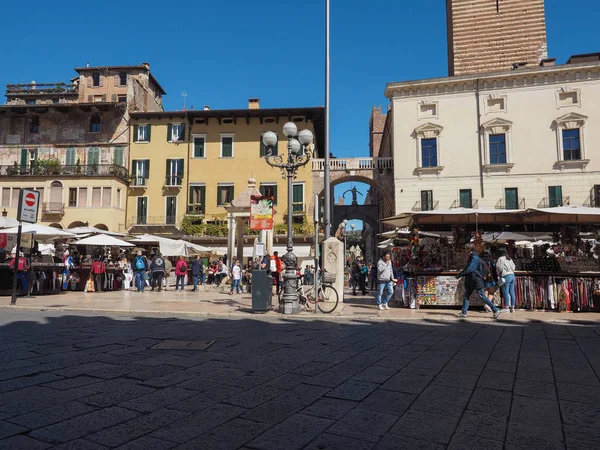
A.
x: 559, y: 272
x: 78, y: 272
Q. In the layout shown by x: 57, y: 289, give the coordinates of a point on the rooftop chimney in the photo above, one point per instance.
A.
x: 254, y: 103
x: 206, y: 108
x: 146, y: 65
x: 548, y: 62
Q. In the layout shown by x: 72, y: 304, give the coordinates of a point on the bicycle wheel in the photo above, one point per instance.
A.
x: 310, y: 296
x: 328, y: 299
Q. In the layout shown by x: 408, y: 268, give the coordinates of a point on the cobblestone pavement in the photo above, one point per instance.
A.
x: 85, y: 381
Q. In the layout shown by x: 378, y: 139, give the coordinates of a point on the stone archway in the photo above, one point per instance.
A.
x: 101, y: 226
x: 76, y: 224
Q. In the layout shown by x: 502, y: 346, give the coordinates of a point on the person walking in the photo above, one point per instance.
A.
x: 276, y: 266
x: 181, y: 269
x: 385, y: 281
x: 140, y: 264
x: 157, y: 268
x: 236, y: 276
x: 505, y: 268
x: 474, y: 273
x: 197, y: 272
x: 98, y: 269
x: 21, y: 267
x: 362, y: 276
x: 490, y: 284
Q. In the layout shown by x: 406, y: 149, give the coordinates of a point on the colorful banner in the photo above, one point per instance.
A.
x: 261, y: 212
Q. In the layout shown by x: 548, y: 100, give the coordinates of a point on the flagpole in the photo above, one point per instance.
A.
x: 326, y: 176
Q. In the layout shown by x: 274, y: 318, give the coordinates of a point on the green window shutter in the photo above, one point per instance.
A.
x: 297, y: 193
x: 261, y: 189
x: 118, y: 158
x: 24, y: 157
x: 227, y: 145
x: 191, y: 196
x: 35, y: 153
x: 199, y: 148
x: 263, y: 152
x: 147, y: 168
x: 203, y: 199
x: 180, y: 167
x: 169, y: 132
x: 274, y: 194
x: 168, y: 167
x: 113, y: 98
x: 70, y: 159
x: 231, y: 190
x: 182, y: 135
x: 93, y: 156
x: 219, y: 189
x: 135, y: 132
x: 149, y: 127
x: 134, y: 168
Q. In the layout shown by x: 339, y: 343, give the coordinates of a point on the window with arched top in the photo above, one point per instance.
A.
x: 95, y: 123
x: 34, y: 125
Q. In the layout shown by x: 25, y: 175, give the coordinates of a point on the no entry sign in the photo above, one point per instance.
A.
x: 29, y: 202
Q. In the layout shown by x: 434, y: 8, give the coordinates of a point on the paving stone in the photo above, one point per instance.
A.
x: 312, y: 368
x: 483, y: 425
x: 580, y: 413
x: 158, y: 399
x: 524, y: 436
x: 52, y: 415
x: 272, y: 412
x: 584, y: 377
x: 119, y: 395
x: 254, y: 397
x: 375, y: 374
x: 388, y: 402
x: 496, y: 380
x: 534, y: 389
x: 229, y: 436
x: 147, y: 443
x: 83, y: 425
x: 83, y: 369
x: 457, y: 380
x: 394, y: 362
x: 580, y: 444
x: 294, y: 433
x: 71, y: 383
x: 329, y: 408
x: 8, y: 429
x: 135, y: 428
x: 539, y: 363
x: 394, y: 442
x: 248, y: 381
x: 576, y: 432
x: 22, y: 443
x: 334, y: 442
x: 192, y: 426
x: 490, y: 401
x: 462, y: 441
x: 501, y: 366
x: 20, y: 383
x: 443, y: 400
x: 288, y: 381
x: 353, y: 390
x: 438, y: 428
x: 578, y: 393
x: 363, y: 425
x: 407, y: 382
x: 535, y: 374
x: 80, y: 444
x: 328, y: 379
x: 303, y: 394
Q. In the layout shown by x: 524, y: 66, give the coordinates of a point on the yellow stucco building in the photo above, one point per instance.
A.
x: 193, y: 163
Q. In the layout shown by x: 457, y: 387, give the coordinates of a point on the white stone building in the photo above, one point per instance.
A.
x: 522, y: 138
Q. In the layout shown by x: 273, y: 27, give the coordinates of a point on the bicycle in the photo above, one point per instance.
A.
x: 327, y: 298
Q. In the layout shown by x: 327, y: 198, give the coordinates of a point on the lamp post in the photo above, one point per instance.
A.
x: 289, y: 168
x: 343, y: 233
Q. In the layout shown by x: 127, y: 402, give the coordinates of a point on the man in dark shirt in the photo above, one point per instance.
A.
x: 157, y: 267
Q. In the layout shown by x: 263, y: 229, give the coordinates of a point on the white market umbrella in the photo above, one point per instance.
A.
x: 104, y: 240
x: 93, y: 230
x: 7, y: 222
x: 40, y: 231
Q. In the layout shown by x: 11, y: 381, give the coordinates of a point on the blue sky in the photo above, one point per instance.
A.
x: 223, y: 52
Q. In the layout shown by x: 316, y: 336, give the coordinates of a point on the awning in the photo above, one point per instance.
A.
x: 505, y: 236
x: 104, y: 240
x: 172, y: 247
x: 7, y: 222
x: 458, y: 216
x: 93, y: 230
x: 42, y: 232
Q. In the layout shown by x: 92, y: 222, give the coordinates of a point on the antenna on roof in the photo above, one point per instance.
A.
x: 184, y: 95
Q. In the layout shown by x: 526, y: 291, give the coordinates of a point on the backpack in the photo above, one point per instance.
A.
x: 139, y: 263
x: 484, y: 269
x: 159, y: 262
x: 273, y: 266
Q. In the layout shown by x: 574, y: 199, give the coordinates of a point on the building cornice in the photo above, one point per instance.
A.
x: 526, y: 77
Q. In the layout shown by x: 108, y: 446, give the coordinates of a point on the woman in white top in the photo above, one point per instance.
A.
x: 505, y: 267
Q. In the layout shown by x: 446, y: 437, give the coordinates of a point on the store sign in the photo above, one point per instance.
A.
x: 29, y: 202
x: 261, y: 212
x: 11, y: 241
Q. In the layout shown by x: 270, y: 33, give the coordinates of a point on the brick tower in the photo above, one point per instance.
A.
x: 492, y: 35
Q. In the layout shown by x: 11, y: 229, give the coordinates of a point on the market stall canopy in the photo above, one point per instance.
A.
x: 104, y: 240
x: 7, y: 222
x: 93, y: 230
x: 41, y: 232
x: 567, y: 215
x: 172, y: 247
x: 505, y: 236
x: 458, y: 216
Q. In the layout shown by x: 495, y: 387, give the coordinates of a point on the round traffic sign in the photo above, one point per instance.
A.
x: 30, y: 199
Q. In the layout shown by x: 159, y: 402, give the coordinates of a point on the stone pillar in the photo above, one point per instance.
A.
x: 231, y: 232
x: 240, y: 240
x: 333, y: 261
x: 269, y: 241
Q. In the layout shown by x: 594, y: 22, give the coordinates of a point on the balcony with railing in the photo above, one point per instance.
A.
x: 554, y: 202
x: 503, y: 204
x: 60, y: 88
x: 195, y: 209
x: 152, y: 221
x: 418, y: 206
x: 342, y: 164
x: 458, y: 204
x: 53, y: 208
x: 137, y: 181
x: 173, y: 180
x: 42, y: 169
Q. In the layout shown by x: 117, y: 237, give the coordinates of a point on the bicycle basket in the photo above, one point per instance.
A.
x: 329, y: 278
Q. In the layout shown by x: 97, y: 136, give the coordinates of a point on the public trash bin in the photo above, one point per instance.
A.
x: 262, y: 291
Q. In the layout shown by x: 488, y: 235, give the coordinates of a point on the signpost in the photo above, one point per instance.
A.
x: 316, y: 274
x: 261, y: 212
x: 29, y: 203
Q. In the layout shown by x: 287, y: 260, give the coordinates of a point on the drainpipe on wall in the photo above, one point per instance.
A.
x: 187, y: 164
x: 479, y: 139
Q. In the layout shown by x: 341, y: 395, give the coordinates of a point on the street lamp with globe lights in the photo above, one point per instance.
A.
x: 289, y: 168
